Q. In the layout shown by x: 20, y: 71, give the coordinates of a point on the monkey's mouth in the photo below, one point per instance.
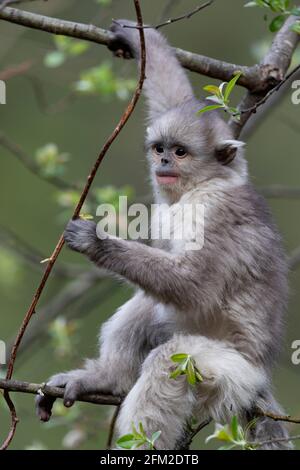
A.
x: 164, y: 177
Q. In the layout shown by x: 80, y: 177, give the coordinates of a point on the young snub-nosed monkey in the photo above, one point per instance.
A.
x: 222, y: 304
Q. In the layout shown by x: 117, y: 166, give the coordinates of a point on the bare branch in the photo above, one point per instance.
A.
x: 275, y: 417
x: 192, y: 433
x: 294, y: 261
x: 33, y: 257
x: 79, y: 294
x: 30, y: 312
x: 253, y: 77
x: 56, y: 26
x: 56, y: 392
x: 280, y: 191
x: 16, y: 70
x: 277, y: 61
x: 30, y: 164
x: 186, y: 16
x: 259, y: 103
x: 273, y: 101
x: 112, y: 427
x: 168, y: 8
x: 273, y: 441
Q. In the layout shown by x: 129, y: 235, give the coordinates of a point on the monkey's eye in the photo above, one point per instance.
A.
x: 158, y: 148
x: 180, y: 152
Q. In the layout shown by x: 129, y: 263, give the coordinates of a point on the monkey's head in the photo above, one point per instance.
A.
x: 185, y: 149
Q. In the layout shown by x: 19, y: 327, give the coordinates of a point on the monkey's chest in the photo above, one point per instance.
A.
x: 176, y: 321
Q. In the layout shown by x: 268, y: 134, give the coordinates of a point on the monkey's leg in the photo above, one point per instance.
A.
x: 123, y: 347
x: 164, y: 404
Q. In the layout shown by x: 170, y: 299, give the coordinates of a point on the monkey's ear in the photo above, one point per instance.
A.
x: 226, y: 150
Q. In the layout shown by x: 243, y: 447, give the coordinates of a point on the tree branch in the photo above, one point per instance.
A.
x: 185, y: 16
x: 71, y: 295
x: 253, y: 78
x: 30, y: 312
x: 16, y: 70
x: 275, y: 417
x: 294, y: 260
x: 30, y: 164
x: 273, y: 441
x: 276, y: 62
x: 33, y: 257
x: 56, y: 392
x: 280, y: 191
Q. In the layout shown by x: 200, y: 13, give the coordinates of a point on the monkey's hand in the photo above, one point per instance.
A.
x: 126, y: 43
x: 80, y: 235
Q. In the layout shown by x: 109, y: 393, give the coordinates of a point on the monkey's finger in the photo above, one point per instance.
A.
x: 72, y: 391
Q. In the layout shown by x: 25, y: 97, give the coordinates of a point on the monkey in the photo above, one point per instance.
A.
x: 223, y: 304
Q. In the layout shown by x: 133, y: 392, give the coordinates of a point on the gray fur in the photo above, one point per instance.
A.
x: 223, y: 304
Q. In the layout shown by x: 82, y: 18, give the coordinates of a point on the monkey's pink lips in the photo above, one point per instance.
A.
x: 166, y: 178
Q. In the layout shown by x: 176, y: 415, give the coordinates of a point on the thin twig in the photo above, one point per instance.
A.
x: 259, y: 103
x: 275, y: 417
x: 168, y: 8
x: 112, y: 427
x: 275, y: 63
x: 30, y: 312
x: 16, y: 70
x: 280, y: 191
x: 186, y: 16
x: 33, y: 256
x: 56, y: 392
x: 275, y: 440
x: 185, y: 444
x: 30, y: 164
x: 294, y: 261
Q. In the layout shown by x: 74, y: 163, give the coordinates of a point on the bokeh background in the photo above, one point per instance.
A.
x: 47, y: 118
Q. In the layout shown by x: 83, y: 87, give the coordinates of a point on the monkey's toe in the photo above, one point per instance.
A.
x: 74, y: 390
x: 44, y: 406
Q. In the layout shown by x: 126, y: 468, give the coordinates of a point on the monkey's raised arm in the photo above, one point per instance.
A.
x: 166, y: 83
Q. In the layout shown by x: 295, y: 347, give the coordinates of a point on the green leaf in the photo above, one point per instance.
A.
x: 175, y: 373
x: 155, y: 436
x: 103, y: 2
x: 277, y: 23
x: 251, y: 4
x: 191, y: 373
x: 296, y: 27
x: 234, y: 428
x: 215, y: 99
x: 141, y: 429
x: 295, y: 11
x: 54, y: 59
x: 209, y: 108
x: 126, y: 441
x: 179, y: 357
x: 212, y: 89
x: 78, y: 47
x: 198, y: 376
x: 231, y: 85
x: 228, y: 447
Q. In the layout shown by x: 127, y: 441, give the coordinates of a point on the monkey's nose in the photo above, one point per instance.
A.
x: 165, y: 161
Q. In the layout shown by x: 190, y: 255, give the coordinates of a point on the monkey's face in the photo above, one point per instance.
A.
x: 184, y: 150
x: 178, y: 153
x: 167, y: 163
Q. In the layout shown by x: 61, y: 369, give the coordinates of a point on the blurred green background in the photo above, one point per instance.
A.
x: 40, y: 110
